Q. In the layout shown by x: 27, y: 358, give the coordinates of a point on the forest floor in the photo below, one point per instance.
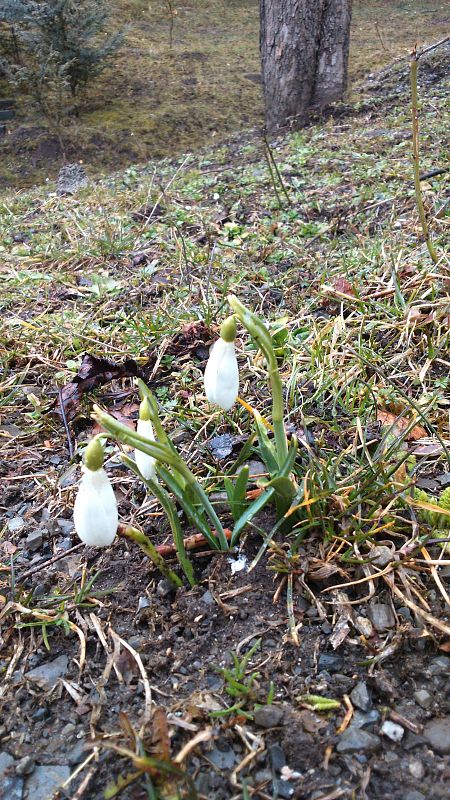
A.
x: 323, y: 672
x: 159, y: 100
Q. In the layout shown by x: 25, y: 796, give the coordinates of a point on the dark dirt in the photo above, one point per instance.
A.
x: 185, y: 638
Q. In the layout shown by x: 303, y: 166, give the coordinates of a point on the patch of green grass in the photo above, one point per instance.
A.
x: 158, y: 101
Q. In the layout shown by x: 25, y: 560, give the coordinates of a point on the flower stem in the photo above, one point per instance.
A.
x: 261, y: 336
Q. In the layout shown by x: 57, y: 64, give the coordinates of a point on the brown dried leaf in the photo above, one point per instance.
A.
x: 93, y: 372
x: 399, y: 424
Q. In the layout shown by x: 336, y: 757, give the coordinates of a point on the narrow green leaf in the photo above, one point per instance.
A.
x: 250, y: 512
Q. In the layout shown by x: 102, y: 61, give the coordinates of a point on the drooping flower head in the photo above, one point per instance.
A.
x: 221, y: 379
x: 145, y: 463
x: 95, y: 511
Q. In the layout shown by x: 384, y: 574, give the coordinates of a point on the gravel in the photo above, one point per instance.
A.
x: 47, y: 675
x: 437, y: 734
x: 45, y: 780
x: 353, y: 740
x: 360, y: 697
x: 268, y: 716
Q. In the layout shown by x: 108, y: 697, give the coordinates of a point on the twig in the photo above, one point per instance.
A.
x: 415, y: 155
x: 65, y: 423
x: 51, y: 561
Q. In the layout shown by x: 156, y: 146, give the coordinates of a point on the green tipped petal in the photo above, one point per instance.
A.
x: 228, y: 329
x: 94, y: 455
x: 145, y: 411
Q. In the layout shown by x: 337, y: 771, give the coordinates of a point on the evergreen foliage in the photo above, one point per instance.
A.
x: 60, y: 46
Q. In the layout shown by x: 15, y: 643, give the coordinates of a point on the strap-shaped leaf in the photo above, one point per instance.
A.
x: 250, y: 512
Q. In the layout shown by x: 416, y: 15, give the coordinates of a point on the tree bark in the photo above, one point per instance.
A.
x: 304, y: 56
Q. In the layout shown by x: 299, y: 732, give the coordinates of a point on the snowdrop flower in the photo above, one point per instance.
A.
x: 95, y: 511
x: 221, y: 379
x: 145, y: 463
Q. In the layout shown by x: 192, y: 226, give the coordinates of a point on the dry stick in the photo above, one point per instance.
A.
x: 51, y: 561
x: 191, y: 542
x: 415, y: 154
x: 65, y: 423
x: 275, y: 166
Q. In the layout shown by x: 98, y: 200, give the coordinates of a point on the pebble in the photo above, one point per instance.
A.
x: 6, y: 761
x: 360, y: 697
x: 382, y: 616
x: 423, y: 698
x: 416, y: 769
x: 415, y: 795
x: 282, y: 788
x: 45, y: 780
x: 15, y: 524
x: 360, y: 720
x: 78, y: 753
x: 439, y: 665
x: 34, y: 540
x: 381, y: 556
x: 353, y: 740
x: 393, y: 731
x: 25, y: 766
x: 207, y: 598
x: 165, y: 588
x: 364, y: 626
x: 277, y: 757
x: 48, y: 674
x: 268, y: 716
x: 12, y: 788
x: 223, y: 757
x: 331, y: 662
x: 437, y: 734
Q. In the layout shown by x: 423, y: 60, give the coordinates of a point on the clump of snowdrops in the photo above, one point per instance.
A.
x: 168, y: 477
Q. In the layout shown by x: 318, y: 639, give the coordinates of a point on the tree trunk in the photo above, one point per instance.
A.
x: 304, y: 54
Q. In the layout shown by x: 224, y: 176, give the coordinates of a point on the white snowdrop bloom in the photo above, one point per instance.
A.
x: 145, y: 463
x: 221, y: 379
x: 95, y: 512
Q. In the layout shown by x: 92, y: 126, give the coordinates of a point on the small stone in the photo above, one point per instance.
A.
x: 77, y: 754
x: 34, y: 540
x: 283, y: 789
x: 364, y: 626
x: 15, y: 524
x: 263, y: 776
x: 71, y: 178
x: 48, y: 674
x: 25, y: 766
x: 382, y: 616
x: 45, y: 780
x: 207, y: 598
x: 223, y: 757
x: 415, y: 795
x: 268, y: 716
x: 330, y: 662
x: 440, y: 665
x: 12, y: 788
x: 381, y: 556
x: 423, y: 698
x: 66, y: 525
x: 360, y: 720
x: 165, y: 588
x: 360, y: 697
x: 437, y: 734
x: 416, y: 769
x: 6, y: 761
x: 393, y: 731
x: 277, y: 757
x: 354, y: 740
x: 220, y: 502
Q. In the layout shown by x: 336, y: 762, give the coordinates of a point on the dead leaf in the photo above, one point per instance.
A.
x: 343, y: 286
x: 93, y: 372
x: 399, y: 424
